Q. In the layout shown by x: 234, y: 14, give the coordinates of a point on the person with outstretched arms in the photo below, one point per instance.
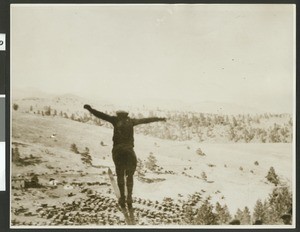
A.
x: 123, y: 153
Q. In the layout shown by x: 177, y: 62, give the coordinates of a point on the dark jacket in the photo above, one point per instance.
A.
x: 123, y: 126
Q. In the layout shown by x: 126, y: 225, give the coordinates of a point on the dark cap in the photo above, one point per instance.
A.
x: 122, y: 113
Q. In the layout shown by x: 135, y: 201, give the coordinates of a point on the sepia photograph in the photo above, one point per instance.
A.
x: 152, y: 116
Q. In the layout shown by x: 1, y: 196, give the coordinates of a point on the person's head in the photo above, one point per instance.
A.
x: 122, y: 114
x: 286, y: 218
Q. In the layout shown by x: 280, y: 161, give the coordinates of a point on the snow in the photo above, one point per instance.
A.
x: 240, y: 188
x: 233, y: 178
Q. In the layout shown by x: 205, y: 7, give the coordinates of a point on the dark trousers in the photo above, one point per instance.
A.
x: 125, y: 161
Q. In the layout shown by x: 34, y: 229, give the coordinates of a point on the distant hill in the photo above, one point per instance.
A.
x: 131, y: 104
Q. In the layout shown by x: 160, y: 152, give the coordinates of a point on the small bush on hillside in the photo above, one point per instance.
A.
x: 47, y: 110
x: 204, y: 176
x: 74, y: 148
x: 200, y: 152
x: 151, y: 162
x: 272, y: 177
x: 15, y: 107
x: 15, y: 155
x: 86, y: 157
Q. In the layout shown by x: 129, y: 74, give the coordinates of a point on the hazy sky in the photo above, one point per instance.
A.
x: 240, y: 54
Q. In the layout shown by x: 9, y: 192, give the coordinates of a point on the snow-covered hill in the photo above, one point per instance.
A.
x: 235, y: 173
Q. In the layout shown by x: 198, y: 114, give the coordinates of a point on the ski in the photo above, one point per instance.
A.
x: 131, y: 216
x: 117, y: 193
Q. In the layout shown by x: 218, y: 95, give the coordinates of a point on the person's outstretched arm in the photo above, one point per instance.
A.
x: 99, y: 114
x: 147, y: 120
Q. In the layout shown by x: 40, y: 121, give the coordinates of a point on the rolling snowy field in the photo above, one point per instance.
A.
x: 228, y: 173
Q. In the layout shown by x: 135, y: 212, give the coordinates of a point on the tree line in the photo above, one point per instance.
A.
x: 183, y: 126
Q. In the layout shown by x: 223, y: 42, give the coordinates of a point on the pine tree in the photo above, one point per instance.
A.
x: 15, y: 155
x: 268, y: 217
x: 280, y: 202
x: 274, y: 134
x: 227, y: 120
x: 232, y: 135
x: 246, y: 219
x: 260, y: 211
x: 238, y: 215
x: 47, y: 110
x: 205, y: 215
x: 189, y: 217
x: 151, y: 162
x: 222, y: 213
x: 226, y: 214
x: 234, y: 122
x: 272, y: 177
